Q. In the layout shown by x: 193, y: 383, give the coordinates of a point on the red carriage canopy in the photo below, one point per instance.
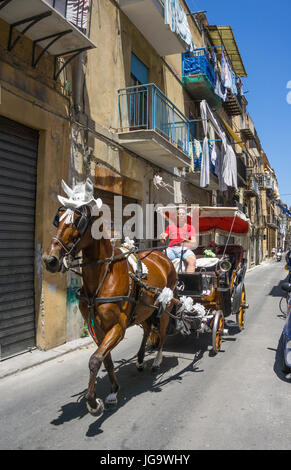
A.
x: 227, y: 219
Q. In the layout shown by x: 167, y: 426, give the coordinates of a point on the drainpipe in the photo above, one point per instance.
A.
x: 76, y: 82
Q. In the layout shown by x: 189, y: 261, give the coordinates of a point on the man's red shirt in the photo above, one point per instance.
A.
x: 178, y: 234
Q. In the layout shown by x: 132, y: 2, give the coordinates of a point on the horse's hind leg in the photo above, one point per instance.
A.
x: 140, y: 355
x: 111, y: 399
x: 164, y: 321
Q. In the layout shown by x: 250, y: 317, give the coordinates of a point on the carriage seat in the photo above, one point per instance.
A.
x: 235, y: 253
x: 208, y: 264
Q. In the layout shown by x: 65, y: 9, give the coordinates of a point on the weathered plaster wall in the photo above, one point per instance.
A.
x: 30, y: 97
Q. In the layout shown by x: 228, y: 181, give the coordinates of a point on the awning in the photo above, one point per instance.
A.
x: 222, y: 219
x: 227, y: 219
x: 223, y: 36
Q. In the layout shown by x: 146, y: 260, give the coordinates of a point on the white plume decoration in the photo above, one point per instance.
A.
x: 128, y: 243
x: 165, y: 297
x: 80, y: 195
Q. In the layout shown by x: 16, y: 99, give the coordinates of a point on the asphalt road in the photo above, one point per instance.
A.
x: 238, y: 399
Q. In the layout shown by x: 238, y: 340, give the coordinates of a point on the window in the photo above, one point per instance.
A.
x: 138, y: 99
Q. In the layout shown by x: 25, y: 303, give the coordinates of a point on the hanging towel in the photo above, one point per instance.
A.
x: 176, y: 18
x: 229, y: 172
x: 226, y: 164
x: 214, y: 152
x: 78, y: 13
x: 191, y: 153
x: 204, y: 174
x: 198, y: 148
x: 226, y: 77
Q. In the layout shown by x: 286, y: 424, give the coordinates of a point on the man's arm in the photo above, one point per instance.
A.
x: 164, y: 236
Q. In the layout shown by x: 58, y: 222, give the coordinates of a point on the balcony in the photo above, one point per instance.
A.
x: 56, y: 26
x: 232, y: 105
x: 253, y: 188
x: 272, y: 221
x: 248, y: 129
x: 149, y: 18
x: 254, y: 152
x: 151, y: 126
x: 198, y: 77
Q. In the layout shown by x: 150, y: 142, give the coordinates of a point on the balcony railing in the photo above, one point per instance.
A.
x: 75, y: 11
x: 196, y: 63
x: 248, y: 128
x: 253, y: 186
x: 194, y: 175
x: 146, y: 107
x: 57, y: 27
x: 199, y: 78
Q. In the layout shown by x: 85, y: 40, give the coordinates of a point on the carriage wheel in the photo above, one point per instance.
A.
x: 241, y: 315
x: 217, y: 332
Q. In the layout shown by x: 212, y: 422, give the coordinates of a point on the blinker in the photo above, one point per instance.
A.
x: 81, y: 223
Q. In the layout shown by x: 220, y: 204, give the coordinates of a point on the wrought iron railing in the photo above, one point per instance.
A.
x: 147, y: 107
x: 254, y: 184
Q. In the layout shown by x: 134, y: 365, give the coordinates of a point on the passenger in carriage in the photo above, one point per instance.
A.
x: 182, y: 239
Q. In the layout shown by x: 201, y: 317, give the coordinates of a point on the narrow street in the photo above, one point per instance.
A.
x: 237, y: 400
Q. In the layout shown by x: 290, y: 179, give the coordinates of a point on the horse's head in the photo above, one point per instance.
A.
x: 72, y: 221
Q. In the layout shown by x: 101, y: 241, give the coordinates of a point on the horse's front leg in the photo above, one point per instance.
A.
x: 112, y: 338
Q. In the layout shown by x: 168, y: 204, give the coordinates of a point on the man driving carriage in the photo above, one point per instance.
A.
x: 182, y: 239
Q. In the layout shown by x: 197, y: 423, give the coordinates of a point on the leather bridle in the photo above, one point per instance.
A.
x: 81, y: 223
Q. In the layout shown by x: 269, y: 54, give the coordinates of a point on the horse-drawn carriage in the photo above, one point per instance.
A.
x: 115, y: 295
x: 216, y: 290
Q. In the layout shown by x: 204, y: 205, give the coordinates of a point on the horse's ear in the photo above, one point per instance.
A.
x: 67, y: 189
x: 63, y: 201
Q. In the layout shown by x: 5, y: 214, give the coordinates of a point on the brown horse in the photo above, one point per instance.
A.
x: 107, y: 274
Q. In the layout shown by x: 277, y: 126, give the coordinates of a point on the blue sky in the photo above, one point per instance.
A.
x: 263, y: 34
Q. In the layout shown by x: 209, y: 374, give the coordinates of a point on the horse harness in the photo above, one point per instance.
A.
x: 82, y: 222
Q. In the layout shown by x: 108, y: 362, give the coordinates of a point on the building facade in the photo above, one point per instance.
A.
x: 112, y: 90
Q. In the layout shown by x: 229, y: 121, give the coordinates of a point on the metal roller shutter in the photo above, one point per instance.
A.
x: 18, y: 163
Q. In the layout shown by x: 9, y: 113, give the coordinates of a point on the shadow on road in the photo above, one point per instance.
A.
x: 132, y: 383
x: 277, y: 290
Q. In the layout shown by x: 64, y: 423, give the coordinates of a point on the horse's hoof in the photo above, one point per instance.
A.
x: 140, y: 367
x: 155, y: 368
x: 111, y: 399
x: 95, y: 407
